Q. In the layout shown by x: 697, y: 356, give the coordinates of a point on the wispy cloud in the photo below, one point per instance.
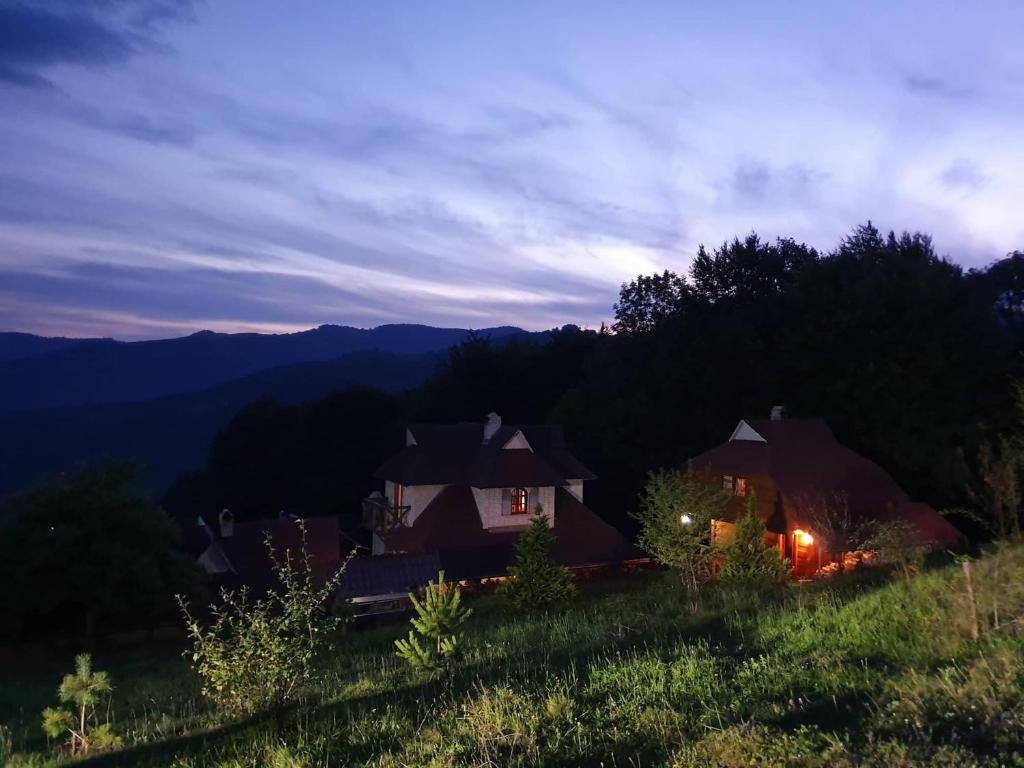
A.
x: 35, y: 37
x: 236, y: 164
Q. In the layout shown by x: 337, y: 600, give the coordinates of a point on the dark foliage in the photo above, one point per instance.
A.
x: 89, y: 549
x: 909, y: 359
x: 308, y: 459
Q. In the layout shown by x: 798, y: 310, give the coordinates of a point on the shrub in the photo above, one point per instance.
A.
x: 749, y: 561
x: 898, y: 545
x: 675, y: 515
x: 537, y: 580
x: 438, y: 615
x: 257, y: 654
x: 81, y: 691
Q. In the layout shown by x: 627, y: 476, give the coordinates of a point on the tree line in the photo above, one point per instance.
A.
x: 910, y: 358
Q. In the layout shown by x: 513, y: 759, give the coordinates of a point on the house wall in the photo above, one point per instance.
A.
x: 575, y: 487
x: 765, y: 493
x: 416, y: 497
x: 493, y: 505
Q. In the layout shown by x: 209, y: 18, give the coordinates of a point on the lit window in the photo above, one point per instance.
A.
x: 741, y: 486
x: 519, y: 501
x: 727, y: 483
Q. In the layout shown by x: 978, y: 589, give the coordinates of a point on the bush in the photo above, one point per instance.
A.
x: 676, y: 509
x: 749, y: 561
x: 537, y: 580
x: 257, y: 654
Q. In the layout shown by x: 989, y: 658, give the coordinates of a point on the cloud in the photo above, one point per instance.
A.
x: 756, y: 184
x: 95, y: 34
x: 963, y: 174
x: 928, y: 85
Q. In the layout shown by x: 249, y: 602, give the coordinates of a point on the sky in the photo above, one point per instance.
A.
x: 234, y: 165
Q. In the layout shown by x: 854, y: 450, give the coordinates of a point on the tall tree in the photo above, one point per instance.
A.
x: 89, y: 547
x: 648, y: 301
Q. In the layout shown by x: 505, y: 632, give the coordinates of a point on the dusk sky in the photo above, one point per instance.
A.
x: 235, y: 165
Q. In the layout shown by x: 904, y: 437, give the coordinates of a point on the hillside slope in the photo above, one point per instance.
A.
x: 866, y: 671
x: 172, y: 434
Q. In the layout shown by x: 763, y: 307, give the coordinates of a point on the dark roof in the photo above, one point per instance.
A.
x: 246, y: 548
x: 583, y: 538
x: 451, y: 519
x: 455, y: 454
x: 451, y: 525
x: 932, y: 528
x: 807, y: 464
x: 388, y: 574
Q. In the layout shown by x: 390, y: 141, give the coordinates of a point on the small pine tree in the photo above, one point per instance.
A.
x: 438, y: 615
x: 749, y: 561
x: 537, y: 580
x: 82, y: 691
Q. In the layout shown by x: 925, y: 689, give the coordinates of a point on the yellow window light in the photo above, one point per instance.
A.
x: 803, y: 538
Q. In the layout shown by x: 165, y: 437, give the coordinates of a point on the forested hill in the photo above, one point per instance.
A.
x: 172, y: 434
x: 911, y: 360
x: 37, y: 372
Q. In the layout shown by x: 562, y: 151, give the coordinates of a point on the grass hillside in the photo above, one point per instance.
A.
x: 869, y: 670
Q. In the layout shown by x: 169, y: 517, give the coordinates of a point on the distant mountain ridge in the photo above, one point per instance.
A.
x: 38, y: 372
x: 172, y: 434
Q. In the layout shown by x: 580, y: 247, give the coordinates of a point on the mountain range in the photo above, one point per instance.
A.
x: 38, y: 372
x: 64, y: 402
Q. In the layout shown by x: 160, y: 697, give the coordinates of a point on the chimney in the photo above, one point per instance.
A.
x: 778, y: 412
x: 493, y: 425
x: 227, y: 524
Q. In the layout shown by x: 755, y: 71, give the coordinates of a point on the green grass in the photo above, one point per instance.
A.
x: 863, y: 671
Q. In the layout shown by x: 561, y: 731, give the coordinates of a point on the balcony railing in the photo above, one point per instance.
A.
x: 381, y: 516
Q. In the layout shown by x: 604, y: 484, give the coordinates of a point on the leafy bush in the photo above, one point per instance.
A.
x: 537, y: 580
x: 897, y: 544
x: 81, y: 691
x: 257, y: 654
x: 675, y: 515
x: 438, y: 615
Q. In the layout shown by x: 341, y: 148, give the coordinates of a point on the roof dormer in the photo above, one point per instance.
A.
x: 518, y: 441
x: 744, y: 431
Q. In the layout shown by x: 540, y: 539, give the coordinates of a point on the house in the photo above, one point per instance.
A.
x: 466, y: 491
x: 236, y: 552
x: 798, y: 473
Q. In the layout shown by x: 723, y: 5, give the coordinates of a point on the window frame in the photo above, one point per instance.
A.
x: 519, y: 494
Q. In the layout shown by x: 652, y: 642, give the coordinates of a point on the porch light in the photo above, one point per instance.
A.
x: 803, y: 538
x: 685, y: 519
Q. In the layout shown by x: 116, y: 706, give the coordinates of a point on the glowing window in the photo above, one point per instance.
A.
x: 519, y: 501
x: 727, y: 483
x: 741, y: 486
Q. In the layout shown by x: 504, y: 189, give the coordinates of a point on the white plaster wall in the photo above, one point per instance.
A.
x: 416, y: 497
x: 575, y: 487
x: 489, y: 502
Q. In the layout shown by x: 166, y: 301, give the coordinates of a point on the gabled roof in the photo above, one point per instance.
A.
x: 808, y: 465
x: 451, y: 525
x: 246, y: 549
x: 456, y: 454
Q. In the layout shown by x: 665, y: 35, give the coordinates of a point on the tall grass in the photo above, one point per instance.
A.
x: 868, y: 671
